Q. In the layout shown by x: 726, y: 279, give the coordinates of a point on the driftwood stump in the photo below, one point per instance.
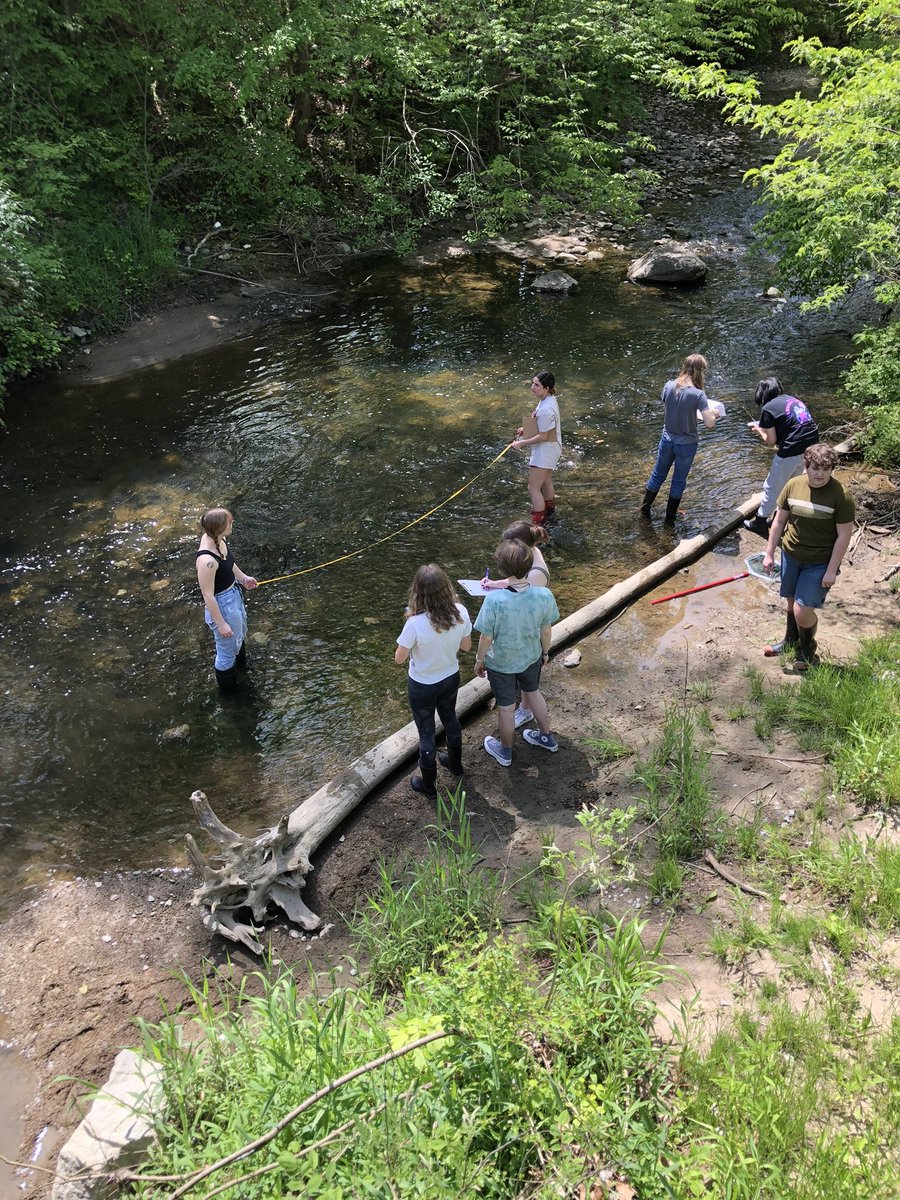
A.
x: 257, y: 876
x: 255, y: 872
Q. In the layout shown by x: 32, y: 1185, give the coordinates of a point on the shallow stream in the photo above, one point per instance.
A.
x: 322, y: 434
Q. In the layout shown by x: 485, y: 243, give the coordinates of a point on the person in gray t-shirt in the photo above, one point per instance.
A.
x: 683, y: 398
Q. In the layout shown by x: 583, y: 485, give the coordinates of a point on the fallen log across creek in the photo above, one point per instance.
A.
x: 271, y: 869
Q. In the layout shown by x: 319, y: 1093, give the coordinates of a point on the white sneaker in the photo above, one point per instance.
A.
x: 523, y: 716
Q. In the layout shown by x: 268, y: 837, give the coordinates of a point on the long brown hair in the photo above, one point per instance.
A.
x: 432, y: 594
x: 692, y: 371
x: 214, y: 522
x: 523, y: 531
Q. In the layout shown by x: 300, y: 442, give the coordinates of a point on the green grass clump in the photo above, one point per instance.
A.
x: 606, y: 747
x: 852, y: 714
x: 666, y: 880
x: 679, y: 799
x: 420, y: 911
x: 758, y: 1110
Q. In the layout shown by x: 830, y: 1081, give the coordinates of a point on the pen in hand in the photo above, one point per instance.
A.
x: 487, y: 575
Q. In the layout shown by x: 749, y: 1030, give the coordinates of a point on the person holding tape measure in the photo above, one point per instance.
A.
x: 221, y: 580
x: 543, y: 433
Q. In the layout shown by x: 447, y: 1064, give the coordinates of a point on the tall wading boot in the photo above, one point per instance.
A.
x: 788, y: 642
x: 539, y: 518
x: 425, y: 783
x: 649, y: 497
x: 452, y: 760
x: 806, y: 650
x: 227, y: 679
x: 672, y: 510
x: 241, y: 661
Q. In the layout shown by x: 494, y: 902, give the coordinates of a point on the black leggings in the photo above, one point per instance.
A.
x: 424, y: 698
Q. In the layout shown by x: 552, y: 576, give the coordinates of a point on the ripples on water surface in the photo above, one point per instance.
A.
x: 322, y: 435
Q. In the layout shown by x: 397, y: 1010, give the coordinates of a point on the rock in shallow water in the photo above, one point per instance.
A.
x: 554, y: 281
x: 669, y: 263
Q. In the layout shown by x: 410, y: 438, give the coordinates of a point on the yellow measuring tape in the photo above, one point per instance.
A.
x: 389, y: 536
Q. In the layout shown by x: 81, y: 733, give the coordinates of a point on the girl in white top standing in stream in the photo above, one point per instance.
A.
x: 546, y: 447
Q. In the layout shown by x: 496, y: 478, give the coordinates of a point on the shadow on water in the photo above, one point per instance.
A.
x: 321, y: 436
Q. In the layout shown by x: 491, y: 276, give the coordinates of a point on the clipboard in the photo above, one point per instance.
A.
x: 472, y: 587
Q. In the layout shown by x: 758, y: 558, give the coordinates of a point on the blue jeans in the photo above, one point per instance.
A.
x: 802, y: 582
x: 231, y: 606
x: 668, y: 452
x: 424, y: 698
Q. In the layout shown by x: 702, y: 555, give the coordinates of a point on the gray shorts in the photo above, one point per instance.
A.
x: 503, y: 684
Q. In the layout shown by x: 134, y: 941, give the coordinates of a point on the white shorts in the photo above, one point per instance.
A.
x: 546, y: 455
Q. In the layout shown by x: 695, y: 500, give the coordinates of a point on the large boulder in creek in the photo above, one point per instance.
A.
x: 554, y: 281
x: 670, y: 263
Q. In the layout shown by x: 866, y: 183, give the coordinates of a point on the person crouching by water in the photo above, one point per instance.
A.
x: 437, y: 628
x: 786, y: 423
x: 682, y: 398
x: 515, y: 625
x: 219, y: 576
x: 815, y: 516
x: 546, y: 447
x: 534, y: 536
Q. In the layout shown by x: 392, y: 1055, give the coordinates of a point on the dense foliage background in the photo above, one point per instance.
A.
x: 128, y: 128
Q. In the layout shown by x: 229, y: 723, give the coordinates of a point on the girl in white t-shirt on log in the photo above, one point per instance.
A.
x: 437, y: 628
x: 546, y: 446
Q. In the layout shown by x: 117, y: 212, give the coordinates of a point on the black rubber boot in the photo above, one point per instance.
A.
x: 424, y: 784
x: 649, y: 497
x: 452, y: 760
x: 672, y: 510
x: 806, y: 650
x: 227, y: 680
x: 788, y: 642
x: 241, y: 661
x: 758, y: 525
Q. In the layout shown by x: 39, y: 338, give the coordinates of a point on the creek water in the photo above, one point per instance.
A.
x: 321, y: 435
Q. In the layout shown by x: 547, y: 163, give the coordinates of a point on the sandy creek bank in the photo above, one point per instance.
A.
x: 83, y: 958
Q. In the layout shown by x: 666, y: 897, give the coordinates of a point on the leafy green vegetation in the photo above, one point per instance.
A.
x: 832, y: 211
x: 128, y: 129
x: 761, y: 1106
x: 606, y: 748
x: 531, y: 1084
x: 421, y: 911
x: 862, y: 875
x: 524, y: 1067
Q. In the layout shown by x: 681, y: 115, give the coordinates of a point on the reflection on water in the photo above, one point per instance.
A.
x: 321, y: 436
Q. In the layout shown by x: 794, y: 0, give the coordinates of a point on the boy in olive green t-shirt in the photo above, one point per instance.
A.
x: 813, y: 521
